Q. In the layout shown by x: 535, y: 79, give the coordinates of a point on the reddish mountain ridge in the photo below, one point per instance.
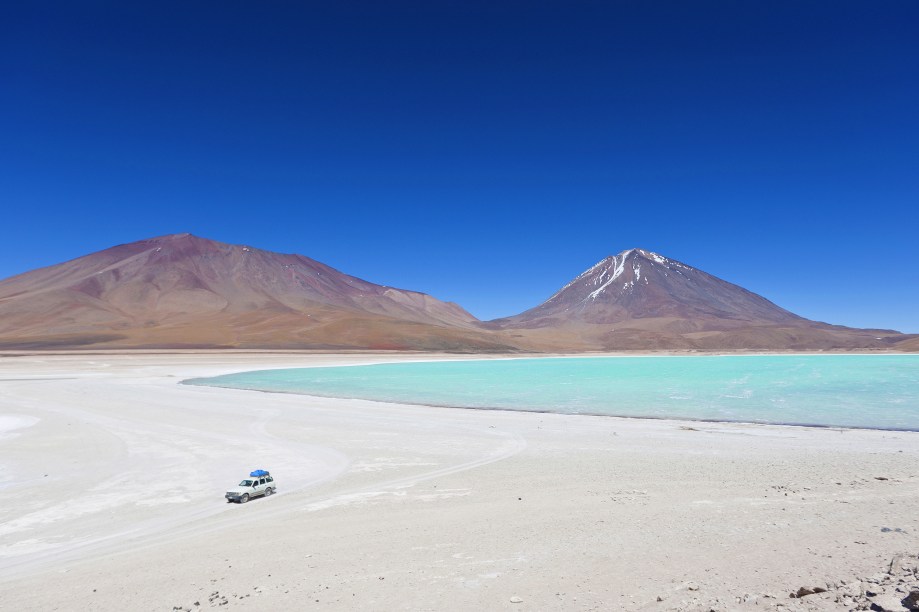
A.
x: 181, y: 290
x: 642, y: 300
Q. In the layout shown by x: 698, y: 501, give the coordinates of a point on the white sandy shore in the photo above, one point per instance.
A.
x: 113, y: 478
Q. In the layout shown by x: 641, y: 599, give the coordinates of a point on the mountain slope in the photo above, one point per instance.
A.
x: 641, y: 300
x: 642, y: 284
x: 181, y: 290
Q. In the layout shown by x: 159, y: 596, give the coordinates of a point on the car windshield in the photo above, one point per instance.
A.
x: 246, y: 483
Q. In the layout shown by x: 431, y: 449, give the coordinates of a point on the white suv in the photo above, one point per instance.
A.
x: 259, y: 483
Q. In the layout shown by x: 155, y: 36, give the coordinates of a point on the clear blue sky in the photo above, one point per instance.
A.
x: 483, y: 152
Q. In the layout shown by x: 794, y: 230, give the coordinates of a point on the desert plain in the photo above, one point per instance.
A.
x: 113, y: 475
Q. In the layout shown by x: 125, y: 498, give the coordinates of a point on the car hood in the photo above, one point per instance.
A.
x: 240, y: 490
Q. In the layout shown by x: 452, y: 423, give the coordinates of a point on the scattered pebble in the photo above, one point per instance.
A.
x: 897, y: 589
x: 805, y: 591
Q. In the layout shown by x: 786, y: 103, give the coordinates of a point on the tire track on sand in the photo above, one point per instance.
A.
x: 221, y: 516
x: 512, y: 445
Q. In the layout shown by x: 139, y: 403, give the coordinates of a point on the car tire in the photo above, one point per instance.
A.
x: 268, y: 491
x: 244, y: 498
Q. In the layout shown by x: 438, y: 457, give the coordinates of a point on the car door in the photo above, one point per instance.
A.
x: 260, y: 486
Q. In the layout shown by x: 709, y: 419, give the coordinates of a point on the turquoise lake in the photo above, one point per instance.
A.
x: 866, y: 391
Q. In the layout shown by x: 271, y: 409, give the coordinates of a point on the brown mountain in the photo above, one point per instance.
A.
x: 642, y: 300
x: 184, y: 291
x: 908, y: 344
x: 181, y: 290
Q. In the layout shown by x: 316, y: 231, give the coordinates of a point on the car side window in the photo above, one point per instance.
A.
x: 269, y: 479
x: 261, y: 481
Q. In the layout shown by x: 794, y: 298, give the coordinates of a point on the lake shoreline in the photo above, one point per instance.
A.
x: 391, y: 506
x: 785, y: 390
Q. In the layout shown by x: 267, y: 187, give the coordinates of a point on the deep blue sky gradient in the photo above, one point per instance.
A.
x: 485, y: 153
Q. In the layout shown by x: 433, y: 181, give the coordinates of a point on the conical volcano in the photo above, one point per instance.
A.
x: 642, y: 300
x: 639, y: 284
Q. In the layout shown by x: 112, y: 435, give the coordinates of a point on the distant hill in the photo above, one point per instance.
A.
x: 185, y: 291
x: 642, y: 300
x: 182, y: 291
x: 910, y: 343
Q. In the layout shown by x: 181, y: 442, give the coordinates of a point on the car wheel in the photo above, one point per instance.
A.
x: 244, y: 498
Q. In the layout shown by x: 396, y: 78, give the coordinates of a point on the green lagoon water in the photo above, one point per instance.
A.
x: 868, y: 391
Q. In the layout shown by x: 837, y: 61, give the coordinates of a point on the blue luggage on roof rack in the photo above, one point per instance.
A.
x: 257, y: 473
